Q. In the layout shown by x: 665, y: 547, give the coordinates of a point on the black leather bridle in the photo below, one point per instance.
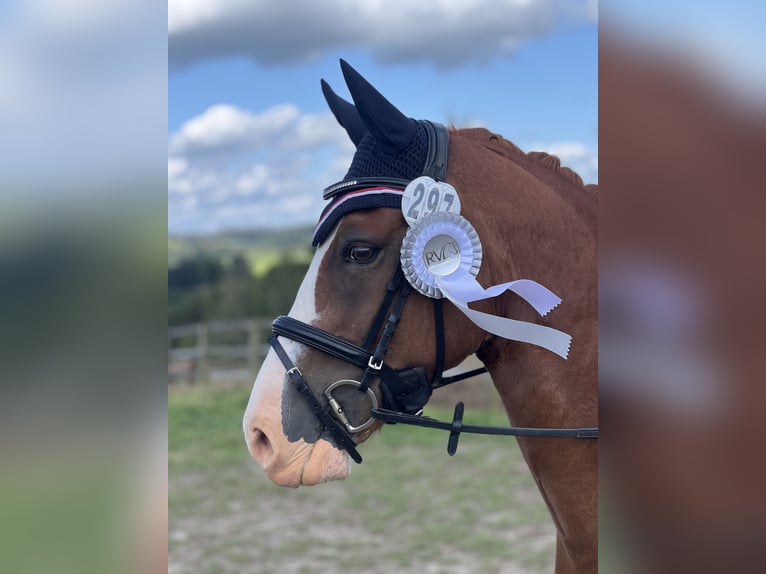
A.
x: 404, y: 391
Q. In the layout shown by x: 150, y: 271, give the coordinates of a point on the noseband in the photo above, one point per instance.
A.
x: 404, y: 391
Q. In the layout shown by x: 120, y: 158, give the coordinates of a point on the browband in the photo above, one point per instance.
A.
x: 349, y: 185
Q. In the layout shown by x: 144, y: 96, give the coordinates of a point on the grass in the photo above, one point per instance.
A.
x: 408, y: 507
x: 205, y: 428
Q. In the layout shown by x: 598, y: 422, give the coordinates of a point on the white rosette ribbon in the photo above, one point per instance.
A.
x: 441, y: 255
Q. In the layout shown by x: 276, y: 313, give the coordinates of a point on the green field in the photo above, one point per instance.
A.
x: 262, y: 249
x: 408, y: 508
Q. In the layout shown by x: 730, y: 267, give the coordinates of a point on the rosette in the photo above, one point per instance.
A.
x: 439, y: 245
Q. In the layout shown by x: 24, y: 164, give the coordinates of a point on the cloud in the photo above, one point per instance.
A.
x: 234, y: 168
x: 224, y: 128
x: 176, y: 167
x: 446, y: 33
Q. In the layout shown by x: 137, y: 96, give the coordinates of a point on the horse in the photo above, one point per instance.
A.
x: 367, y: 329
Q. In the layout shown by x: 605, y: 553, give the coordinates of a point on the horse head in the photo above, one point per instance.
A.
x: 358, y: 241
x: 400, y: 235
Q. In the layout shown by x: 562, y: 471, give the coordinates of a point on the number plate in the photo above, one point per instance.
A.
x: 425, y: 196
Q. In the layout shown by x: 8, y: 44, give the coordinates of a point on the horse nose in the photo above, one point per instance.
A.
x: 260, y: 446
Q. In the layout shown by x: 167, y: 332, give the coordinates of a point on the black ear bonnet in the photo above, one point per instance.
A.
x: 393, y: 151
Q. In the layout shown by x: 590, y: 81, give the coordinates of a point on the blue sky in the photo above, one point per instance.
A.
x: 252, y: 143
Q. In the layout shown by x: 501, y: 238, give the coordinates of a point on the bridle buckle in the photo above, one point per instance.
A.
x: 373, y: 365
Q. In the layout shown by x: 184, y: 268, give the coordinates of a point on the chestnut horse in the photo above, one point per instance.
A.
x: 535, y: 219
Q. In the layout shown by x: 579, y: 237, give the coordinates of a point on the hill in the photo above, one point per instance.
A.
x: 262, y: 249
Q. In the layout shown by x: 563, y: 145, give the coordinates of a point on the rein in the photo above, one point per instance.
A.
x: 456, y: 427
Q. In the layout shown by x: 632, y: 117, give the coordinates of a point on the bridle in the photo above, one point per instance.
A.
x: 404, y: 391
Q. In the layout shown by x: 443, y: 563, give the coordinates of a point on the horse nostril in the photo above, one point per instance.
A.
x: 261, y: 447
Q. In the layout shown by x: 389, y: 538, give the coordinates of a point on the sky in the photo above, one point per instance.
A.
x: 252, y: 143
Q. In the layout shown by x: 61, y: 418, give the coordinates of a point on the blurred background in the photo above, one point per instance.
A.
x: 682, y: 121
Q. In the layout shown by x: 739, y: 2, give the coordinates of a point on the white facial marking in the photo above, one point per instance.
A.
x: 267, y: 389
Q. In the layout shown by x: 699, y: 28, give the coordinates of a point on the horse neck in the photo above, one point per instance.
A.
x: 534, y: 225
x: 545, y: 232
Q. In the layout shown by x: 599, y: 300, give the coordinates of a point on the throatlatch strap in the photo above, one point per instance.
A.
x: 439, y: 334
x: 444, y: 381
x: 438, y: 381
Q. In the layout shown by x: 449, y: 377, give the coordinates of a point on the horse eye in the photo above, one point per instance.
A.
x: 361, y: 254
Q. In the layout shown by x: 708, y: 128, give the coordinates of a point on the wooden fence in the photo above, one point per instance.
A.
x: 217, y: 351
x: 232, y: 351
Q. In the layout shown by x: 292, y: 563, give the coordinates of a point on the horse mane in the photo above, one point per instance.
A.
x: 544, y: 166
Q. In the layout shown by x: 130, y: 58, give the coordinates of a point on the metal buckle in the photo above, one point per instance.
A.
x: 337, y: 409
x: 373, y: 365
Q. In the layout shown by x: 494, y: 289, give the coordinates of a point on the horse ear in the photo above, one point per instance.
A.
x: 346, y: 114
x: 393, y: 131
